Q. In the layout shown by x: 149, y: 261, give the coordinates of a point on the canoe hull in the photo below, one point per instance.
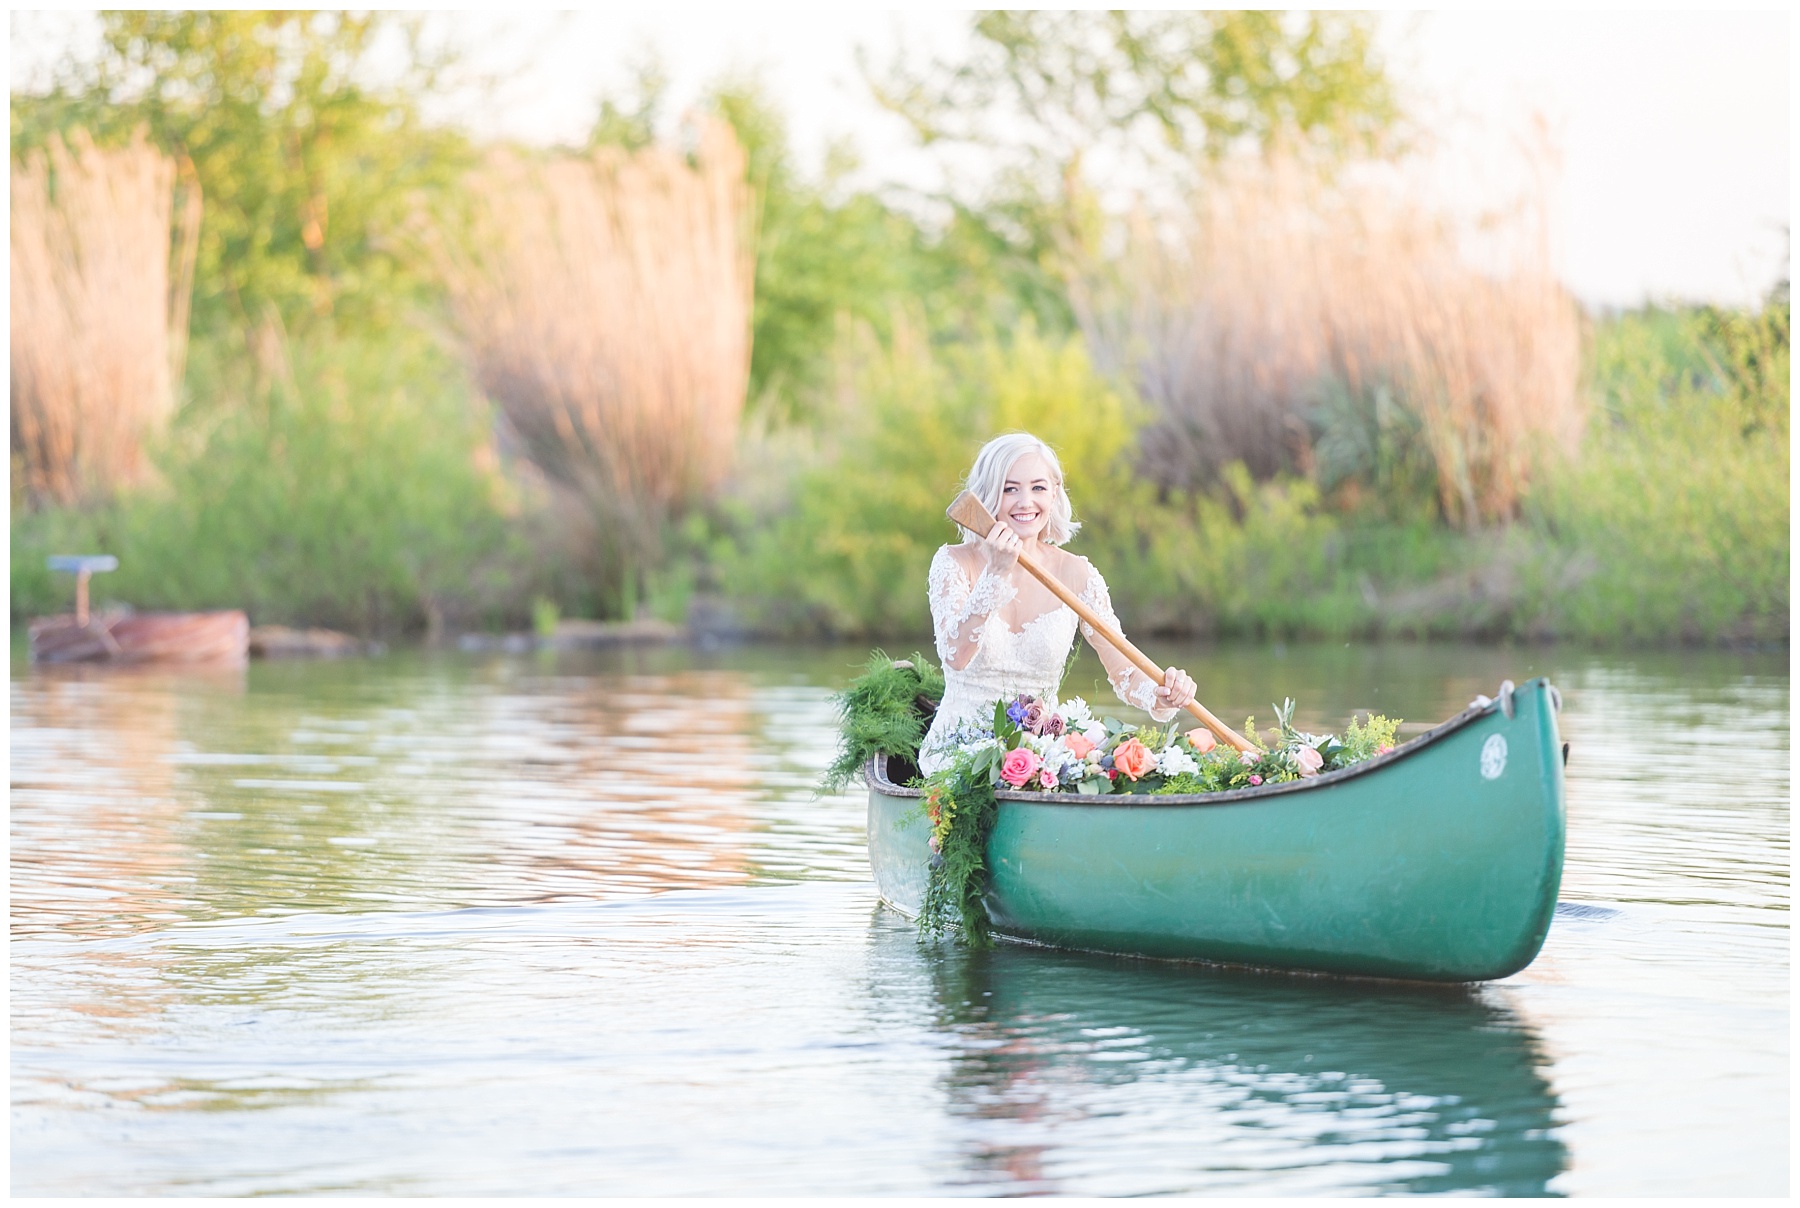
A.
x: 1439, y: 862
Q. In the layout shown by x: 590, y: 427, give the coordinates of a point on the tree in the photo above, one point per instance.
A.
x: 306, y: 146
x: 1046, y: 87
x: 1055, y: 102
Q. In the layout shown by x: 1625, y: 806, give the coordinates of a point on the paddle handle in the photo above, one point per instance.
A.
x: 967, y: 511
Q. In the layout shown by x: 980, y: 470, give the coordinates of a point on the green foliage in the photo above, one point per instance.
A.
x: 1369, y: 448
x: 837, y: 546
x: 1039, y: 94
x: 1263, y: 557
x: 822, y: 544
x: 883, y: 712
x: 544, y: 617
x: 821, y: 256
x: 827, y: 255
x: 630, y: 122
x: 1673, y: 523
x: 1365, y: 740
x: 1062, y: 81
x: 345, y: 488
x: 344, y: 491
x: 304, y: 131
x: 963, y: 797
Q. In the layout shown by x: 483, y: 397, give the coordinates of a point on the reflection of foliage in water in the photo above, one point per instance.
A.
x: 403, y: 784
x: 1399, y: 1088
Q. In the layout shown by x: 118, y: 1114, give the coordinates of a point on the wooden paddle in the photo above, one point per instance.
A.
x: 967, y: 511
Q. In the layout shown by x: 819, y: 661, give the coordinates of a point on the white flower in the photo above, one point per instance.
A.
x: 1173, y: 761
x: 1063, y: 763
x: 1095, y: 733
x: 1075, y: 712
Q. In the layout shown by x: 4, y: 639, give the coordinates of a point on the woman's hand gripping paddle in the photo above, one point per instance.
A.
x: 967, y: 511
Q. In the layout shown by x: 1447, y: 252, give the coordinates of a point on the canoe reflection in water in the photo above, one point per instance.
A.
x: 1226, y: 1081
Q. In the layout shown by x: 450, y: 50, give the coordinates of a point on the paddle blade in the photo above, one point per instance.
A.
x: 967, y: 511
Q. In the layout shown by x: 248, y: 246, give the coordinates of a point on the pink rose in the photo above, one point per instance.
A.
x: 1079, y: 745
x: 1310, y: 761
x: 1047, y: 778
x: 1017, y: 768
x: 1384, y: 750
x: 1202, y: 739
x: 1255, y: 779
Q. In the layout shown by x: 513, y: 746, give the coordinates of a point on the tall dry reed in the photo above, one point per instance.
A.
x: 1284, y: 280
x: 99, y: 320
x: 605, y: 303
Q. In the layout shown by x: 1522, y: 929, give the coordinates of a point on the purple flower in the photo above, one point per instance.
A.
x: 1015, y: 712
x: 1053, y: 726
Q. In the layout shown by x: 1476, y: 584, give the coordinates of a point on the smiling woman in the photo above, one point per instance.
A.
x: 999, y: 632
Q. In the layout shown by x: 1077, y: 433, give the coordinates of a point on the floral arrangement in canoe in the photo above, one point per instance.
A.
x: 1033, y: 746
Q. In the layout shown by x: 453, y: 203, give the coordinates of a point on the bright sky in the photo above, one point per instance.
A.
x: 1673, y: 128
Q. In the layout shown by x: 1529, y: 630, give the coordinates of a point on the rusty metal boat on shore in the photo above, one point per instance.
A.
x: 143, y: 637
x: 216, y: 638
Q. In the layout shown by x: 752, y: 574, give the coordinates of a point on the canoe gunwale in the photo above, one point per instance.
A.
x: 875, y: 771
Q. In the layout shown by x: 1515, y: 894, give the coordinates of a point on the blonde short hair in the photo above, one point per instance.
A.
x: 987, y: 479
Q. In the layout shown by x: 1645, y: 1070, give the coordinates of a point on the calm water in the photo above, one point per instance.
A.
x: 463, y: 925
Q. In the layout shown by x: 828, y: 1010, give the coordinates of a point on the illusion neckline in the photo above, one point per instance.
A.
x: 1042, y: 616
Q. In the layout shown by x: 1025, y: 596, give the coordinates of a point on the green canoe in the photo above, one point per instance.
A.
x: 1439, y: 861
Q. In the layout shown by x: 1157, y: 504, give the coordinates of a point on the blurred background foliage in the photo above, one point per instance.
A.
x: 332, y: 461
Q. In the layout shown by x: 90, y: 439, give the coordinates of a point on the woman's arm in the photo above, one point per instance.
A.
x: 1160, y: 701
x: 960, y: 610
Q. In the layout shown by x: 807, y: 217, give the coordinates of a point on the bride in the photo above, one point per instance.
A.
x: 999, y: 631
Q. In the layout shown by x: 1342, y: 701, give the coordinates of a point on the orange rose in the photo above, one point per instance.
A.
x: 1202, y: 739
x: 1079, y: 745
x: 1133, y: 758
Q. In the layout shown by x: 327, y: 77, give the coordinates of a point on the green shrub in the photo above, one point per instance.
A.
x: 846, y: 547
x: 1673, y: 523
x: 344, y: 492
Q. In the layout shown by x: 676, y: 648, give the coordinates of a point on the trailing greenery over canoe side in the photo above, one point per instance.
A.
x: 961, y: 807
x: 884, y: 711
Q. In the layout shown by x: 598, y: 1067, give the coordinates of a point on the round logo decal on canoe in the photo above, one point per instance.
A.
x: 1493, y: 757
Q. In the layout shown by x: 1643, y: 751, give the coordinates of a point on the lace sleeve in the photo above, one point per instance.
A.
x: 960, y: 610
x: 1132, y: 686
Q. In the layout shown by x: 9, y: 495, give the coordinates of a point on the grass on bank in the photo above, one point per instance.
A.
x: 844, y: 548
x: 1673, y: 522
x: 354, y: 485
x: 337, y: 484
x: 1670, y: 524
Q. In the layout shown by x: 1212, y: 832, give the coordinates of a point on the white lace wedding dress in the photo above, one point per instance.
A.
x: 985, y: 657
